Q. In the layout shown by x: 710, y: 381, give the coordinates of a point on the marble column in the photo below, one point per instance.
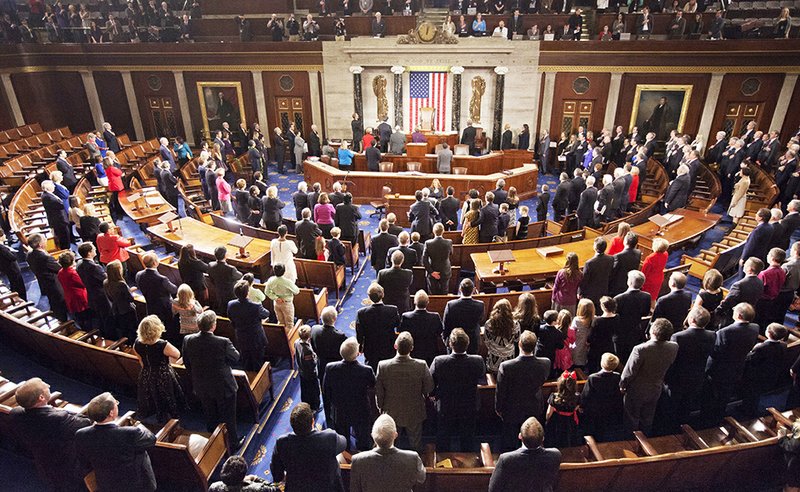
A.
x: 785, y: 97
x: 11, y: 96
x: 358, y: 101
x: 316, y: 108
x: 499, y: 93
x: 93, y: 98
x: 183, y: 102
x: 455, y: 124
x: 710, y: 107
x: 397, y: 89
x: 261, y: 103
x: 613, y: 101
x: 547, y: 101
x: 133, y: 106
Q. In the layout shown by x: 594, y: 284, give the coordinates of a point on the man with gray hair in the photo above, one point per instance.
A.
x: 714, y: 154
x: 500, y: 194
x: 396, y: 282
x: 402, y: 387
x: 632, y: 305
x: 397, y: 142
x: 166, y: 153
x: 45, y: 268
x: 56, y: 214
x: 675, y: 305
x: 678, y: 191
x: 326, y: 340
x: 385, y: 467
x: 346, y: 391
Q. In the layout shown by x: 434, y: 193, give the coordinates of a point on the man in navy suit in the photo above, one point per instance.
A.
x: 531, y: 467
x: 679, y: 190
x: 117, y: 455
x: 487, y: 220
x: 93, y: 275
x: 759, y: 240
x: 601, y: 399
x: 158, y: 291
x: 519, y: 388
x: 246, y: 317
x: 466, y: 313
x: 208, y: 359
x: 166, y: 153
x: 67, y: 171
x: 748, y: 289
x: 500, y: 194
x: 425, y: 327
x: 625, y: 261
x: 381, y: 244
x: 685, y: 377
x: 48, y: 434
x: 436, y: 260
x: 596, y: 272
x: 586, y: 201
x: 326, y: 340
x: 727, y: 361
x: 346, y: 392
x: 376, y: 327
x: 410, y: 257
x: 675, y: 305
x: 764, y: 368
x: 631, y: 306
x: 396, y: 282
x: 456, y: 378
x: 306, y: 457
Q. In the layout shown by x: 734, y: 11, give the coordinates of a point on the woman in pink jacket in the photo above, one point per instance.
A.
x: 224, y: 191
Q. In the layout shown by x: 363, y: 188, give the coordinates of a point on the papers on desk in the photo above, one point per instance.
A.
x: 154, y: 201
x: 133, y: 197
x: 665, y: 220
x: 549, y: 251
x: 411, y: 173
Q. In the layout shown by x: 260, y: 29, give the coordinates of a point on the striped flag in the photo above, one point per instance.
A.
x: 428, y: 89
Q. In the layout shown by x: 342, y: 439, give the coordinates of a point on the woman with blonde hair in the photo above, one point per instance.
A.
x: 783, y: 24
x: 582, y: 324
x: 739, y: 198
x: 653, y: 268
x: 158, y: 391
x: 618, y: 243
x: 500, y: 334
x: 565, y: 288
x: 271, y: 207
x: 187, y: 309
x: 436, y: 190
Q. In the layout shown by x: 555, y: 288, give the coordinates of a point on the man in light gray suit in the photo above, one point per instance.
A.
x: 402, y: 385
x: 385, y: 467
x: 643, y: 378
x: 444, y: 158
x: 397, y: 142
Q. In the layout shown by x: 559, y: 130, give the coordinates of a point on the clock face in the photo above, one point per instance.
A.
x: 427, y: 31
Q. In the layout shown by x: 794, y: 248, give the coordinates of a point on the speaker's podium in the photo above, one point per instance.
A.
x: 168, y: 219
x: 241, y: 242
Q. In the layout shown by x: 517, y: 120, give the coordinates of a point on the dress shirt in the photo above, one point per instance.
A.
x: 281, y: 288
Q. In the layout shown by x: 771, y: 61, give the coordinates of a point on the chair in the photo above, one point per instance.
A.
x: 386, y: 167
x: 413, y: 166
x: 460, y: 170
x: 380, y: 205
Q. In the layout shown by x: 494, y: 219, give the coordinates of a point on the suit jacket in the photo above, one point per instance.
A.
x: 647, y: 365
x: 500, y: 196
x: 45, y: 268
x: 714, y: 154
x: 444, y: 161
x: 601, y: 397
x: 448, y: 210
x: 111, y: 141
x: 689, y: 369
x: 346, y: 391
x: 631, y: 306
x: 308, y: 463
x: 166, y: 155
x: 68, y: 173
x: 561, y: 198
x: 596, y: 273
x: 465, y: 313
x: 401, y: 386
x: 487, y: 220
x: 326, y: 341
x: 397, y: 143
x: 336, y: 198
x: 373, y: 155
x: 421, y: 216
x: 456, y: 378
x: 532, y: 470
x: 246, y: 319
x: 436, y: 255
x: 727, y: 360
x: 346, y: 219
x: 519, y: 388
x: 381, y: 244
x: 382, y: 469
x: 626, y: 260
x: 157, y: 291
x: 678, y: 193
x: 375, y: 331
x: 307, y: 232
x: 378, y: 28
x: 314, y: 144
x: 758, y: 242
x: 224, y: 277
x: 674, y: 307
x: 271, y: 210
x: 384, y: 131
x: 409, y: 257
x: 396, y: 283
x: 468, y: 137
x: 790, y: 223
x: 54, y: 210
x: 193, y: 273
x: 92, y: 275
x: 208, y: 359
x: 118, y: 456
x: 426, y: 329
x: 47, y: 433
x: 585, y: 208
x: 300, y: 201
x: 764, y: 366
x: 578, y: 184
x: 169, y: 182
x: 748, y: 289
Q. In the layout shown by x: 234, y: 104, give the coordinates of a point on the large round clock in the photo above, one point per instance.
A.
x: 426, y: 32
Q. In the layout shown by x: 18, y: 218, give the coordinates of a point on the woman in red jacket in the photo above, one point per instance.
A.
x: 115, y: 185
x: 653, y: 268
x: 110, y: 246
x: 74, y: 291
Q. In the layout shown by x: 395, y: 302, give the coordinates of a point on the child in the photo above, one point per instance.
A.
x: 561, y: 427
x: 601, y: 336
x: 522, y: 223
x: 305, y: 361
x: 550, y: 338
x: 319, y: 248
x: 563, y: 361
x: 544, y: 199
x: 503, y: 220
x: 417, y: 246
x: 335, y: 247
x: 601, y: 399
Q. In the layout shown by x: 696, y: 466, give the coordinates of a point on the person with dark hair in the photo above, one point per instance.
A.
x: 749, y: 289
x: 281, y: 291
x: 110, y: 245
x: 305, y: 362
x: 45, y: 269
x: 346, y: 219
x: 448, y: 210
x: 632, y: 305
x: 596, y: 272
x: 74, y: 290
x: 396, y: 282
x: 234, y: 478
x: 223, y: 276
x: 9, y: 265
x: 375, y: 327
x: 561, y: 428
x: 466, y: 313
x: 306, y: 457
x: 530, y: 467
x: 93, y: 275
x: 307, y: 233
x: 158, y: 291
x: 759, y: 240
x: 246, y: 317
x: 193, y: 270
x: 625, y: 261
x: 601, y: 336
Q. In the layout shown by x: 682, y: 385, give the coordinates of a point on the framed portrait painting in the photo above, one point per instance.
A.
x: 660, y: 109
x: 221, y: 102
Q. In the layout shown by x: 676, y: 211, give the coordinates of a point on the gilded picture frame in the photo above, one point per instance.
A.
x: 221, y: 102
x: 649, y: 114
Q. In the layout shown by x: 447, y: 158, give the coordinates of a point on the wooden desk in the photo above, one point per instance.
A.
x: 206, y: 237
x: 693, y: 224
x: 147, y: 215
x: 478, y: 165
x: 366, y: 186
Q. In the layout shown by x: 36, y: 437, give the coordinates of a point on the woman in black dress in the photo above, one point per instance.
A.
x: 193, y: 272
x: 241, y: 198
x: 254, y: 206
x: 710, y: 296
x: 123, y: 311
x: 158, y: 391
x: 601, y: 336
x: 524, y: 138
x: 271, y: 207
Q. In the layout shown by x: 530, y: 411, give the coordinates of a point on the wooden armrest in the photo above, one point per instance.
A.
x: 695, y: 439
x: 166, y: 431
x: 647, y: 448
x: 87, y: 335
x: 592, y: 444
x: 17, y: 307
x: 42, y: 315
x: 740, y: 430
x: 780, y: 418
x: 486, y: 454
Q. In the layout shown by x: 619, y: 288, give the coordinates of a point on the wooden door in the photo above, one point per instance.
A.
x: 162, y: 116
x: 574, y: 114
x: 291, y: 110
x: 738, y: 115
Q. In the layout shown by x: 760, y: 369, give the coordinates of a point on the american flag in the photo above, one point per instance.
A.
x: 428, y: 89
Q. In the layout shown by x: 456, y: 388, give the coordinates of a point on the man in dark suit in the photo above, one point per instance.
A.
x: 347, y: 217
x: 56, y: 215
x: 396, y: 282
x: 224, y: 277
x: 373, y: 155
x: 760, y: 238
x: 601, y: 399
x: 769, y: 151
x: 384, y: 131
x: 468, y: 137
x: 487, y: 220
x: 466, y: 313
x: 631, y: 306
x: 561, y: 198
x: 306, y: 457
x: 436, y: 260
x: 789, y: 224
x: 727, y: 362
x: 425, y: 328
x: 693, y: 163
x: 714, y: 153
x: 45, y: 268
x: 409, y: 254
x: 675, y: 305
x: 279, y: 149
x: 619, y: 190
x: 578, y: 184
x: 381, y: 244
x: 326, y: 340
x: 753, y: 148
x: 626, y: 260
x: 9, y: 265
x: 346, y: 389
x: 519, y: 388
x: 421, y: 216
x: 307, y: 233
x: 67, y: 172
x: 300, y: 200
x: 378, y: 29
x: 92, y: 275
x: 749, y: 289
x: 530, y: 467
x: 246, y: 317
x: 596, y: 272
x: 110, y: 138
x: 376, y: 327
x: 586, y: 201
x: 678, y: 191
x: 208, y: 359
x: 336, y: 197
x: 448, y: 210
x: 500, y: 194
x: 686, y: 375
x: 456, y: 377
x: 732, y: 158
x: 764, y: 368
x: 394, y: 229
x: 117, y: 455
x: 314, y: 142
x: 48, y: 434
x: 166, y: 153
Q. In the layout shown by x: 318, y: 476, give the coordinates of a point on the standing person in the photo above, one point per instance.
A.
x: 396, y: 282
x: 448, y: 210
x: 187, y: 309
x: 487, y: 220
x: 158, y: 390
x: 56, y: 214
x: 632, y: 305
x: 470, y: 233
x: 675, y: 305
x: 541, y: 204
x: 601, y: 335
x: 326, y: 341
x: 110, y: 245
x: 358, y: 132
x: 115, y: 185
x: 193, y: 270
x: 425, y: 327
x: 386, y: 467
x: 561, y: 428
x: 282, y: 252
x: 444, y: 159
x: 653, y: 268
x: 739, y: 198
x: 45, y: 268
x: 117, y: 454
x: 528, y: 465
x: 466, y: 313
x: 422, y: 215
x: 246, y: 317
x: 300, y: 200
x: 92, y: 275
x: 224, y: 277
x: 223, y: 192
x: 324, y: 214
x: 596, y: 273
x: 281, y: 290
x: 625, y: 261
x: 74, y: 291
x: 500, y: 334
x: 9, y: 265
x: 436, y: 260
x: 305, y: 361
x: 601, y: 399
x: 299, y: 150
x: 402, y: 385
x: 346, y: 219
x: 123, y: 310
x: 208, y: 359
x: 158, y: 291
x: 565, y: 288
x: 307, y: 232
x: 347, y: 388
